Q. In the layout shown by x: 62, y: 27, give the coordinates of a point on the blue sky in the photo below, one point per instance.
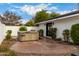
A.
x: 28, y: 10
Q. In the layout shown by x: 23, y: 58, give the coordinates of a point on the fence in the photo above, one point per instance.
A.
x: 15, y: 29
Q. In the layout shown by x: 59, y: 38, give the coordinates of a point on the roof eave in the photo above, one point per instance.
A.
x: 57, y: 19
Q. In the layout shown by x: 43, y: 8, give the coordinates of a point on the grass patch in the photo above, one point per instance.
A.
x: 4, y: 48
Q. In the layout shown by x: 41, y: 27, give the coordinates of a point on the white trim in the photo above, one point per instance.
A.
x: 57, y: 19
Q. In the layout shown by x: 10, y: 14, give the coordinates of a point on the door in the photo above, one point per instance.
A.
x: 48, y: 26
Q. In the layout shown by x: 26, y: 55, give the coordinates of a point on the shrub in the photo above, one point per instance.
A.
x: 75, y: 33
x: 6, y: 51
x: 10, y: 53
x: 3, y: 49
x: 41, y: 32
x: 66, y: 34
x: 53, y: 33
x: 8, y: 36
x: 23, y: 28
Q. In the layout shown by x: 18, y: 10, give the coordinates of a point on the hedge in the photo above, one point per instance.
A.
x: 75, y: 33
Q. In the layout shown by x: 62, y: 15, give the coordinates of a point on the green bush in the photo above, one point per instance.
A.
x: 66, y: 34
x: 7, y: 51
x: 8, y: 36
x: 3, y: 49
x: 23, y: 28
x: 75, y: 33
x: 10, y: 53
x: 53, y: 33
x: 41, y: 32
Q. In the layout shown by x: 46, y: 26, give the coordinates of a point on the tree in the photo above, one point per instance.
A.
x: 10, y: 18
x: 30, y: 23
x: 43, y: 16
x: 53, y: 15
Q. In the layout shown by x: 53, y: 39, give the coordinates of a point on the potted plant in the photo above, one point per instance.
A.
x: 23, y: 29
x: 41, y: 32
x: 53, y: 33
x: 8, y: 36
x: 66, y: 35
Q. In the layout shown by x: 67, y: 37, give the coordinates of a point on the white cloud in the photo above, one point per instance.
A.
x: 63, y: 12
x: 66, y: 11
x: 31, y: 10
x: 23, y: 21
x: 52, y: 8
x: 49, y: 12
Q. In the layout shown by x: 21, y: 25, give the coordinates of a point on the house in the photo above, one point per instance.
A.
x: 61, y: 22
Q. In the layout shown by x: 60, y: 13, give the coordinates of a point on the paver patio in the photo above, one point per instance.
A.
x: 43, y: 47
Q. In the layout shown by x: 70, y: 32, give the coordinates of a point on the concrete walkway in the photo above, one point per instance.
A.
x: 43, y: 47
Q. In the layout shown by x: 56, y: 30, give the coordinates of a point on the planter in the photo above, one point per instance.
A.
x: 28, y: 36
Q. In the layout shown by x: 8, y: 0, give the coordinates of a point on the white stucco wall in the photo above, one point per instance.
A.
x: 66, y: 23
x: 42, y: 26
x: 2, y: 32
x: 15, y: 29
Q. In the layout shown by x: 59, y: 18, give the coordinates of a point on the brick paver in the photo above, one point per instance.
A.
x: 43, y: 47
